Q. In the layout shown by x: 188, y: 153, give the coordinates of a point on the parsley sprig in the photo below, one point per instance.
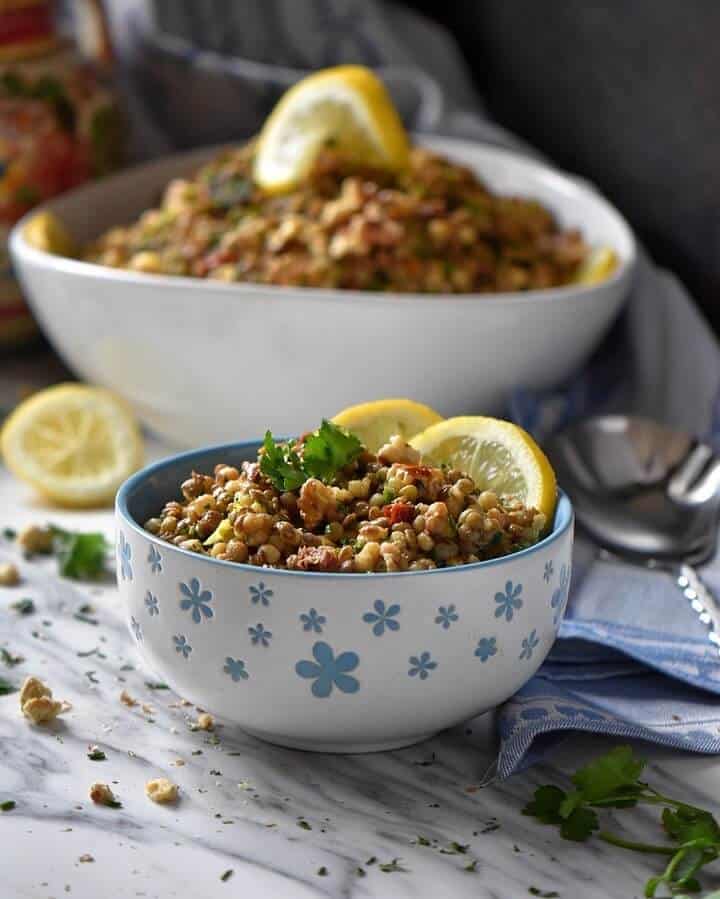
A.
x: 324, y: 453
x: 612, y: 781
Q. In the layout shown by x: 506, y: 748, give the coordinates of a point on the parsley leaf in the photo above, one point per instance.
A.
x: 80, y: 555
x: 608, y: 775
x: 325, y: 452
x: 6, y: 687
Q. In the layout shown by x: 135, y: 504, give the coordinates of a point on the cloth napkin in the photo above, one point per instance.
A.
x: 632, y: 659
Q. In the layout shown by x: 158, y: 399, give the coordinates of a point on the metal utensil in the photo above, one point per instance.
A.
x: 647, y: 495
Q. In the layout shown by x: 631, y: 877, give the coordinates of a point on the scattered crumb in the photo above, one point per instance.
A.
x: 9, y: 575
x: 148, y: 709
x: 205, y: 721
x: 86, y: 858
x: 178, y: 763
x: 95, y: 754
x: 226, y: 875
x: 161, y: 790
x: 101, y: 794
x: 36, y: 702
x: 34, y: 539
x: 126, y: 699
x: 322, y: 871
x: 185, y: 702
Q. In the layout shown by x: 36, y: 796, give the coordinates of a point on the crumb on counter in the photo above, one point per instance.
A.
x: 101, y: 794
x: 36, y: 702
x: 9, y: 575
x: 127, y: 699
x: 35, y: 539
x: 161, y: 790
x: 205, y: 722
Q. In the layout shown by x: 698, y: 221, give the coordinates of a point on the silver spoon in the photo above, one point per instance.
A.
x: 648, y: 495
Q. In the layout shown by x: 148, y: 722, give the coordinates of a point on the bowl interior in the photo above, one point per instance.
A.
x: 148, y: 490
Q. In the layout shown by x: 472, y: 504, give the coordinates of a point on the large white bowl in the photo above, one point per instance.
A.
x: 205, y: 361
x: 334, y: 662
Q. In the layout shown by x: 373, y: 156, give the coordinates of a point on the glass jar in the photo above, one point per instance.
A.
x: 60, y: 125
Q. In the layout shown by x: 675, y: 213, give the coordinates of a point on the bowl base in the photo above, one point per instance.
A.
x: 339, y: 748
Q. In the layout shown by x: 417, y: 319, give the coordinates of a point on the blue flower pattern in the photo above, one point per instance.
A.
x: 125, y: 553
x: 487, y: 647
x: 182, y: 646
x: 136, y: 629
x: 312, y: 621
x: 154, y: 560
x: 151, y: 604
x: 509, y: 601
x: 196, y: 600
x: 328, y: 671
x: 258, y: 635
x: 560, y: 594
x: 261, y: 594
x: 421, y: 665
x: 528, y: 645
x: 383, y: 617
x: 549, y: 571
x: 446, y: 616
x: 236, y: 669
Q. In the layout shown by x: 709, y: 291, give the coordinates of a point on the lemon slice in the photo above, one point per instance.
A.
x: 46, y: 232
x: 374, y: 423
x: 497, y: 455
x: 346, y: 105
x: 73, y: 443
x: 598, y: 266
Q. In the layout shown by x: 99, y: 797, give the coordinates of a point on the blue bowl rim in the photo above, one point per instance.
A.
x: 564, y: 518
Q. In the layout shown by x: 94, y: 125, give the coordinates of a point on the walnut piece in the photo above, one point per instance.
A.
x: 101, y: 794
x: 9, y: 575
x: 205, y: 721
x: 161, y: 790
x: 126, y: 699
x: 34, y: 539
x: 36, y: 702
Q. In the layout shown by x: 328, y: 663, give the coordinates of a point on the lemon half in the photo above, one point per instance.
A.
x: 347, y: 106
x: 497, y: 455
x: 374, y: 423
x: 73, y: 443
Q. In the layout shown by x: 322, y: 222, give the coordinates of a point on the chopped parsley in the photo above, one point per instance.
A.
x: 24, y: 606
x: 9, y: 533
x: 9, y: 659
x: 325, y: 452
x: 226, y: 875
x: 6, y: 687
x: 80, y: 556
x: 95, y: 754
x: 8, y: 805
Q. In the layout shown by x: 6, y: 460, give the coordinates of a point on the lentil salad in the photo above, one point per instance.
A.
x: 431, y: 227
x: 324, y: 503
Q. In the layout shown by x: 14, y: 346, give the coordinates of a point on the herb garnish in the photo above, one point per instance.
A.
x: 9, y: 533
x: 543, y: 894
x: 80, y: 555
x: 23, y: 606
x: 6, y: 687
x: 390, y: 867
x: 95, y: 754
x: 325, y: 452
x: 322, y: 871
x: 8, y: 805
x: 9, y: 659
x: 226, y: 875
x: 611, y: 781
x: 156, y: 685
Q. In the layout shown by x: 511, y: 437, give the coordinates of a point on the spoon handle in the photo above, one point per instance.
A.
x: 701, y: 598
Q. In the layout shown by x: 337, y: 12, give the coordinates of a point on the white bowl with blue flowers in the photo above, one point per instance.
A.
x: 334, y: 662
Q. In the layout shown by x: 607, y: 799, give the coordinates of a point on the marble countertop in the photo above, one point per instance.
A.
x: 242, y: 801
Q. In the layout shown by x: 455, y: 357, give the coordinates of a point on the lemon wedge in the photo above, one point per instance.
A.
x: 75, y: 444
x: 598, y: 266
x: 347, y: 106
x: 375, y: 423
x: 498, y: 456
x: 46, y: 232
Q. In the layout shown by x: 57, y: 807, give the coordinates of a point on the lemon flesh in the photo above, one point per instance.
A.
x: 497, y: 455
x: 375, y: 423
x: 347, y: 107
x: 75, y: 444
x: 46, y: 232
x: 599, y: 265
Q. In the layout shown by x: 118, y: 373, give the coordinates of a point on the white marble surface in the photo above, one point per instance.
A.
x: 241, y: 799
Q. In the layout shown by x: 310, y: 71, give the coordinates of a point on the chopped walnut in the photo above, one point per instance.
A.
x: 205, y: 721
x: 126, y: 699
x: 9, y: 575
x: 35, y: 539
x: 101, y: 794
x: 398, y: 450
x: 161, y: 790
x: 316, y: 500
x: 36, y: 702
x: 85, y: 858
